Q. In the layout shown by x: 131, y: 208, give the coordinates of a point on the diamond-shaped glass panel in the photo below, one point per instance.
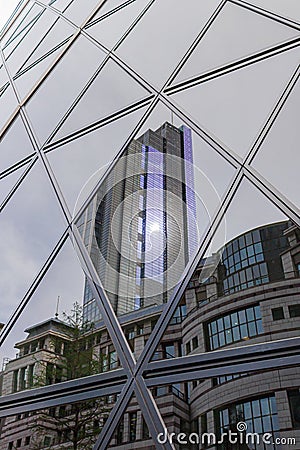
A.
x: 110, y: 29
x: 44, y: 53
x: 89, y: 152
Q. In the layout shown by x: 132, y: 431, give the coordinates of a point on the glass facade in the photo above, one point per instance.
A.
x: 259, y: 415
x: 253, y: 259
x: 234, y: 327
x: 162, y: 119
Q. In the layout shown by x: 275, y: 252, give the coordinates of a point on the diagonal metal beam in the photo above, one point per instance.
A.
x: 268, y: 14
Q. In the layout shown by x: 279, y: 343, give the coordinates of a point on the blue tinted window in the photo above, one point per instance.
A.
x: 234, y: 327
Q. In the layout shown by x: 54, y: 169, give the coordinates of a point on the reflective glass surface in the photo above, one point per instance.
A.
x: 150, y: 243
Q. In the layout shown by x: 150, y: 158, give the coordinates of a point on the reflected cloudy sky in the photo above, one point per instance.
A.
x: 6, y: 9
x: 231, y: 109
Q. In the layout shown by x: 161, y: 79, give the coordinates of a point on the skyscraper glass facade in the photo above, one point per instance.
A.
x: 143, y: 206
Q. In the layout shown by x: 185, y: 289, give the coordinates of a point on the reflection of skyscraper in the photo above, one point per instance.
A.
x: 140, y: 228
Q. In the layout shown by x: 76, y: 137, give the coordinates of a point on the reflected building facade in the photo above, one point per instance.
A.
x: 140, y: 229
x: 253, y: 258
x: 207, y: 319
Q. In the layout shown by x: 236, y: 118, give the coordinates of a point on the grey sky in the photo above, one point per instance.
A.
x: 233, y: 108
x: 6, y: 8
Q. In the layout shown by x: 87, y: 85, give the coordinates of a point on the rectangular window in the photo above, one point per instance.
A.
x: 145, y: 430
x: 195, y: 342
x: 294, y: 401
x: 277, y: 313
x: 49, y: 373
x: 30, y: 376
x: 140, y: 225
x: 130, y: 333
x: 188, y: 348
x: 169, y: 351
x: 113, y: 360
x: 294, y: 310
x: 22, y: 381
x: 15, y: 380
x: 120, y: 432
x: 132, y: 426
x: 47, y: 441
x: 34, y: 346
x: 203, y: 423
x: 139, y: 329
x: 26, y: 349
x: 137, y: 302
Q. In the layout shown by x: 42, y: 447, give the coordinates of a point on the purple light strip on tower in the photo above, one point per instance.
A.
x: 190, y: 190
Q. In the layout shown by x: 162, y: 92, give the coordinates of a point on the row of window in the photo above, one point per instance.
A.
x: 191, y: 345
x: 233, y: 327
x: 132, y: 429
x: 244, y: 258
x: 179, y: 314
x: 278, y: 313
x: 23, y: 378
x: 175, y: 389
x: 32, y: 347
x: 19, y: 443
x: 272, y: 235
x: 134, y: 331
x: 259, y: 415
x: 236, y: 326
x: 246, y: 278
x: 243, y: 241
x: 225, y: 378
